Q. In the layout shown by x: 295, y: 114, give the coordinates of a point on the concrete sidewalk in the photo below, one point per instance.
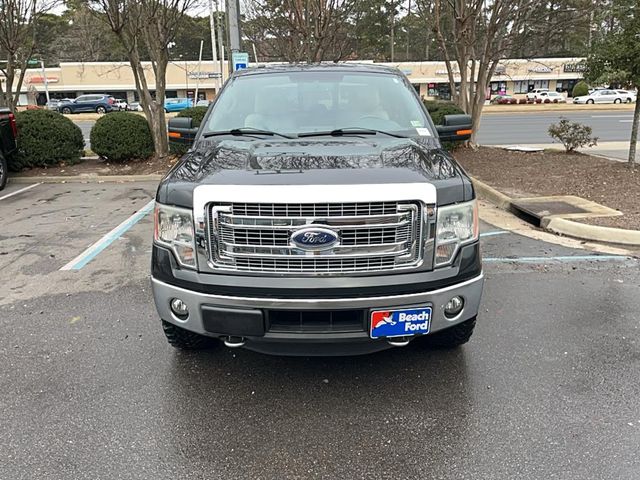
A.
x: 614, y: 150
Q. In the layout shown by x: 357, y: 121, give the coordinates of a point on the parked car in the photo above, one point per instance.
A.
x: 120, y: 104
x: 8, y: 134
x: 627, y: 96
x: 373, y: 244
x: 503, y: 99
x: 601, y: 96
x: 533, y: 94
x: 135, y: 107
x: 203, y: 103
x: 554, y: 97
x: 99, y: 103
x: 177, y: 104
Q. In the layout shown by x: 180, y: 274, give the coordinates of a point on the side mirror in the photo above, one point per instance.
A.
x: 182, y: 131
x: 456, y: 128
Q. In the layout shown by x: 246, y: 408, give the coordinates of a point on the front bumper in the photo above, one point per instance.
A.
x: 242, y: 316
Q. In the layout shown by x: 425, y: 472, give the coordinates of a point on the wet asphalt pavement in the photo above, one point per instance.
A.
x: 548, y: 387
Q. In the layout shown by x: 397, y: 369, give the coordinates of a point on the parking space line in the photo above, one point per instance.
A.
x: 493, y: 234
x: 94, y: 250
x: 20, y: 191
x: 560, y: 259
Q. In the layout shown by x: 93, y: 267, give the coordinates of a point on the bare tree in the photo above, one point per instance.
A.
x: 147, y: 26
x: 473, y: 36
x: 18, y: 23
x: 300, y: 30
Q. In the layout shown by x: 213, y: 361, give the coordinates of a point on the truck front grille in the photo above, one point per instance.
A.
x: 372, y: 236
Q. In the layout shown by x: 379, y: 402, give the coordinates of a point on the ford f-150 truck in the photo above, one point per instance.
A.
x: 8, y: 135
x: 316, y: 213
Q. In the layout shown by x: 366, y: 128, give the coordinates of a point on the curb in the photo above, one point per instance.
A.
x: 563, y: 226
x: 592, y: 232
x: 87, y: 179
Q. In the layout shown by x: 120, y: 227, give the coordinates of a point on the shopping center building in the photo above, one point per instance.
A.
x: 512, y: 77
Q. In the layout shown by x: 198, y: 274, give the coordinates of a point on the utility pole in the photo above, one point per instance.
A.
x: 408, y: 20
x: 393, y: 24
x: 195, y: 99
x: 220, y: 43
x: 233, y: 23
x: 214, y: 50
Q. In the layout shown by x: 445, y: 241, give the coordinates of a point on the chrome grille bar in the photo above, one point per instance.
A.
x: 373, y: 236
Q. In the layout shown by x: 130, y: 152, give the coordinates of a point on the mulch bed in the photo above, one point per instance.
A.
x: 518, y: 174
x: 96, y: 166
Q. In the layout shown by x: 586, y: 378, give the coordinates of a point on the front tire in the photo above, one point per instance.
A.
x: 3, y: 171
x: 101, y: 110
x: 184, y: 339
x: 617, y: 100
x: 452, y: 337
x: 590, y: 102
x: 67, y: 111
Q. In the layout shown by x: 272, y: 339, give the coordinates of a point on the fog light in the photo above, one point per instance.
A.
x: 179, y: 308
x: 453, y: 307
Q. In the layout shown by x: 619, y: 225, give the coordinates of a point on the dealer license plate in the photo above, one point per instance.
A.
x: 399, y: 323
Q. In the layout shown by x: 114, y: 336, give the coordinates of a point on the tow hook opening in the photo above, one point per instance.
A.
x: 399, y: 341
x: 233, y: 341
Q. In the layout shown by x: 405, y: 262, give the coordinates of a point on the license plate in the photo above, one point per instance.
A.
x: 399, y: 323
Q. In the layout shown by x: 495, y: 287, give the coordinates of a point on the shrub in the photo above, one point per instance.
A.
x: 572, y: 134
x: 523, y: 101
x: 122, y: 136
x: 513, y: 101
x: 438, y: 109
x: 46, y: 138
x: 580, y: 89
x: 546, y: 100
x: 196, y: 113
x: 538, y: 100
x: 555, y: 100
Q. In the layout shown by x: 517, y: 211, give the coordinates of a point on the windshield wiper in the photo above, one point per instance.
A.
x: 338, y: 132
x: 245, y: 131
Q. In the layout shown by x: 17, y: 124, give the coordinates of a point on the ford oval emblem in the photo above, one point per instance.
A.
x: 314, y: 238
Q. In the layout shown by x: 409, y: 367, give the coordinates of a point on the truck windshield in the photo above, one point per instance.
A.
x: 295, y: 103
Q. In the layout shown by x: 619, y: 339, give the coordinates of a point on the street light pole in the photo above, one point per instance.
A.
x: 214, y: 48
x: 45, y: 80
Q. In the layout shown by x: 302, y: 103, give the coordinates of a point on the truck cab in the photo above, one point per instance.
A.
x: 317, y: 213
x: 8, y: 133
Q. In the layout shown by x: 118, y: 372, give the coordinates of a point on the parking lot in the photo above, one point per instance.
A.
x: 547, y: 388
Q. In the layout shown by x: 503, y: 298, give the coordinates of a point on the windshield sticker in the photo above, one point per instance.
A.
x: 423, y: 132
x: 416, y: 123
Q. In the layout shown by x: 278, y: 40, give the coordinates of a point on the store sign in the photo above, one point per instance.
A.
x: 575, y: 67
x: 540, y: 69
x: 203, y: 75
x: 500, y: 70
x: 40, y: 80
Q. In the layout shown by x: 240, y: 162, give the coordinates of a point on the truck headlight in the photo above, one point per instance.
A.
x: 457, y: 225
x: 174, y: 229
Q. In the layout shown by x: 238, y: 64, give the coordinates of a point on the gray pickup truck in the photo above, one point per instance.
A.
x: 8, y: 133
x: 316, y: 213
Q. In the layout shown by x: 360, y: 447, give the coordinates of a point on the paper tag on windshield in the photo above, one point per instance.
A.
x: 416, y: 123
x: 423, y: 132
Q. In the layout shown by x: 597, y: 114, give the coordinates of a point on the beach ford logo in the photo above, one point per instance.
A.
x: 400, y: 323
x: 314, y: 238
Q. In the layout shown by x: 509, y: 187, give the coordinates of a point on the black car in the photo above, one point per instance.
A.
x: 317, y: 214
x: 98, y: 103
x: 8, y: 133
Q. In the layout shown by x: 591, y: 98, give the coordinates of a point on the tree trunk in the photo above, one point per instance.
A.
x: 634, y: 135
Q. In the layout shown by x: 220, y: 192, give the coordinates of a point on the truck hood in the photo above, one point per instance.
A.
x: 335, y: 161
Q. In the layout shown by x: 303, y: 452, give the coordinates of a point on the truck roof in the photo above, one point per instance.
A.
x: 305, y: 67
